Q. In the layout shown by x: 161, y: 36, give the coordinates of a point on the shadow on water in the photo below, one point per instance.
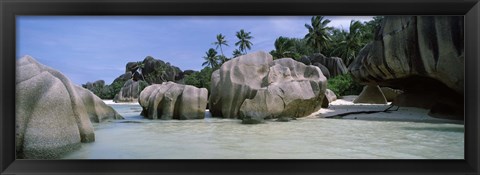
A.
x: 439, y: 129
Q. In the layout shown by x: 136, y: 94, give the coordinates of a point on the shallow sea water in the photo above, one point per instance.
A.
x: 304, y: 138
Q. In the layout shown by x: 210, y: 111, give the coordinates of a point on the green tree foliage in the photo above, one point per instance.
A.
x: 284, y: 48
x: 344, y: 85
x: 372, y: 27
x: 236, y: 53
x: 243, y: 41
x: 291, y: 48
x: 348, y: 44
x: 200, y: 79
x: 211, y: 58
x: 318, y: 33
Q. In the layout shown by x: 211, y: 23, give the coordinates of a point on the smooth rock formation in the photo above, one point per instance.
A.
x: 53, y: 116
x: 324, y: 70
x: 124, y: 77
x: 173, y: 101
x: 371, y: 94
x: 419, y: 55
x: 130, y: 91
x: 335, y: 65
x: 254, y: 87
x: 329, y: 97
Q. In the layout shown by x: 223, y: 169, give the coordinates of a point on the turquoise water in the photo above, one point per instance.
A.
x: 305, y: 138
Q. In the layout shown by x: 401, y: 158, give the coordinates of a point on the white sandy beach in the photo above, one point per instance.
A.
x: 408, y: 114
x: 110, y: 102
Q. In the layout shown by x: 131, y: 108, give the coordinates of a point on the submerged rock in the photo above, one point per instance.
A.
x: 255, y: 87
x: 53, y: 116
x: 173, y: 101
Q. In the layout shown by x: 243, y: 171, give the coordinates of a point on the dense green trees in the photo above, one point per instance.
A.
x: 284, y: 47
x: 327, y: 40
x: 344, y: 85
x: 318, y: 33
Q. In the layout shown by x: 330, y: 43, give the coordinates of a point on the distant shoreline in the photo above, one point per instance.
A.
x: 110, y: 102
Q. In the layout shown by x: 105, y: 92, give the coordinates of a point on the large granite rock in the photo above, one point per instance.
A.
x: 421, y: 55
x: 254, y: 87
x: 123, y: 78
x: 334, y: 65
x: 130, y: 91
x: 96, y: 84
x: 173, y: 101
x: 53, y: 116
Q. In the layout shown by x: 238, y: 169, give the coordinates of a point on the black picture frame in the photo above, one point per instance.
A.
x: 10, y: 8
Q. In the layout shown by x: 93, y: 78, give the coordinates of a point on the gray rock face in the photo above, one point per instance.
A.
x: 254, y: 87
x: 173, y: 101
x: 324, y: 70
x: 129, y: 92
x: 329, y: 97
x: 334, y: 65
x: 390, y: 94
x: 371, y: 94
x: 53, y: 116
x: 417, y: 54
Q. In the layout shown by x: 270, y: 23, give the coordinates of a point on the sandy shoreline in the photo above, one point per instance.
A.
x: 407, y: 114
x: 110, y: 102
x: 345, y: 105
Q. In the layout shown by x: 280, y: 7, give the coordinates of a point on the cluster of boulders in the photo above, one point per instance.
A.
x: 330, y: 66
x: 254, y: 87
x: 421, y: 55
x: 138, y: 75
x: 53, y: 116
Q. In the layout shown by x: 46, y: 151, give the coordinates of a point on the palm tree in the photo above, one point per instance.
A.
x: 236, y: 53
x: 220, y: 41
x: 222, y: 59
x: 244, y: 42
x: 211, y: 58
x: 284, y: 47
x: 318, y: 32
x: 348, y: 44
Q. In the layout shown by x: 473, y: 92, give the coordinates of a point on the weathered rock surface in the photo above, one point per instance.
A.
x: 390, y: 94
x: 95, y: 84
x: 53, y: 116
x: 371, y: 94
x: 334, y: 65
x: 417, y: 54
x: 173, y: 101
x: 129, y: 92
x: 254, y: 87
x: 329, y: 97
x: 324, y: 70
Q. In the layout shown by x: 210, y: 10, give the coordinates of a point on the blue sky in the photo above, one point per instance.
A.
x: 90, y: 48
